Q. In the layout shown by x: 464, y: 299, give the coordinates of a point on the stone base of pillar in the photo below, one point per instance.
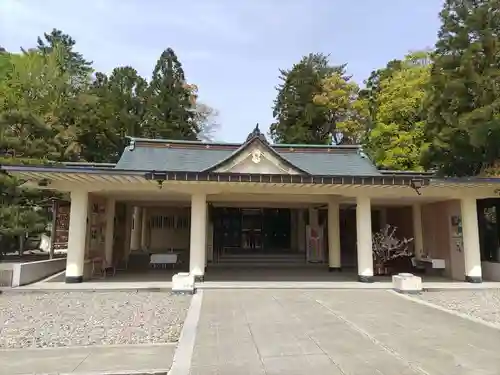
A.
x: 365, y: 279
x: 74, y: 279
x: 184, y: 293
x: 183, y: 283
x: 199, y: 278
x: 474, y: 279
x: 334, y: 269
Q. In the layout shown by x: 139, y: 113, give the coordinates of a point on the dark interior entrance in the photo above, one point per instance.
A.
x: 488, y: 216
x: 251, y: 229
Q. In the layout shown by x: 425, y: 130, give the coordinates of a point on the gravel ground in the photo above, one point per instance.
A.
x: 39, y: 320
x: 483, y: 304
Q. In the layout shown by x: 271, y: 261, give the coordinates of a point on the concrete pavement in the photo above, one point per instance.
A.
x: 271, y: 332
x: 92, y: 359
x: 336, y: 332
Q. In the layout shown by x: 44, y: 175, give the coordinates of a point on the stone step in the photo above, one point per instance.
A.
x: 264, y: 259
x: 261, y: 259
x: 263, y: 256
x: 258, y: 264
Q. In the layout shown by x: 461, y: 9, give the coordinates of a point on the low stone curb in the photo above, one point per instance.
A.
x: 87, y: 347
x: 95, y: 290
x: 147, y: 372
x: 181, y: 364
x: 452, y: 312
x: 460, y: 289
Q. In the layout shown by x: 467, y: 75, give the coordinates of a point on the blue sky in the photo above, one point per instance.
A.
x: 231, y: 49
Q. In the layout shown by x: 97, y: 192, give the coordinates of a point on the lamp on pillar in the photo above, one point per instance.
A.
x: 159, y: 177
x: 417, y: 184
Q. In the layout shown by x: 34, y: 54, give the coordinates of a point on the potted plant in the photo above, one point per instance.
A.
x: 386, y: 246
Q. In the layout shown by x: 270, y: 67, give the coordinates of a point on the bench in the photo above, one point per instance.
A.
x: 426, y: 263
x: 162, y: 260
x: 438, y: 264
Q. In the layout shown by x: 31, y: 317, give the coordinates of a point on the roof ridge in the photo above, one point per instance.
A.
x: 137, y: 140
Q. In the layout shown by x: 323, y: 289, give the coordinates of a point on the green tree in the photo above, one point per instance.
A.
x: 32, y: 94
x: 372, y: 86
x: 115, y: 109
x: 171, y: 102
x: 51, y: 110
x: 298, y: 119
x: 463, y: 118
x: 71, y: 62
x: 36, y: 103
x: 119, y: 109
x: 344, y: 109
x: 21, y: 211
x: 396, y: 139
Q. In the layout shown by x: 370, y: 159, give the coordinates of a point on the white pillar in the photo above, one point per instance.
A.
x: 144, y: 228
x: 207, y: 239
x: 334, y: 262
x: 418, y: 238
x: 75, y: 260
x: 110, y: 230
x: 135, y: 239
x: 364, y: 237
x: 470, y: 230
x: 197, y: 247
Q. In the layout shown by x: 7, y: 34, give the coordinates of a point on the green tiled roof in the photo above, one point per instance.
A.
x: 153, y: 155
x: 338, y: 163
x: 170, y: 159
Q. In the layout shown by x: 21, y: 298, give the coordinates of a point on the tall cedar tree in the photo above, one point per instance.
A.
x: 463, y: 105
x: 298, y: 119
x: 171, y: 109
x: 118, y: 112
x: 73, y: 63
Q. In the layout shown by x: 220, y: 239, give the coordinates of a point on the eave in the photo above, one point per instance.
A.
x: 77, y: 174
x: 82, y: 174
x: 386, y: 180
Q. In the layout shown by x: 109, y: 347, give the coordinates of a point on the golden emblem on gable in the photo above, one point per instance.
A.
x: 256, y: 155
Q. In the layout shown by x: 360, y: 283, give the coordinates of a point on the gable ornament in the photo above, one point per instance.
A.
x: 256, y: 156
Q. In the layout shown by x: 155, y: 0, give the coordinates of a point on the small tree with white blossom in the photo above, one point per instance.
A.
x: 386, y: 246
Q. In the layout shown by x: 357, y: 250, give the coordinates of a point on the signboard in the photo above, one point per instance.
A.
x: 314, y: 243
x: 61, y: 224
x: 456, y: 233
